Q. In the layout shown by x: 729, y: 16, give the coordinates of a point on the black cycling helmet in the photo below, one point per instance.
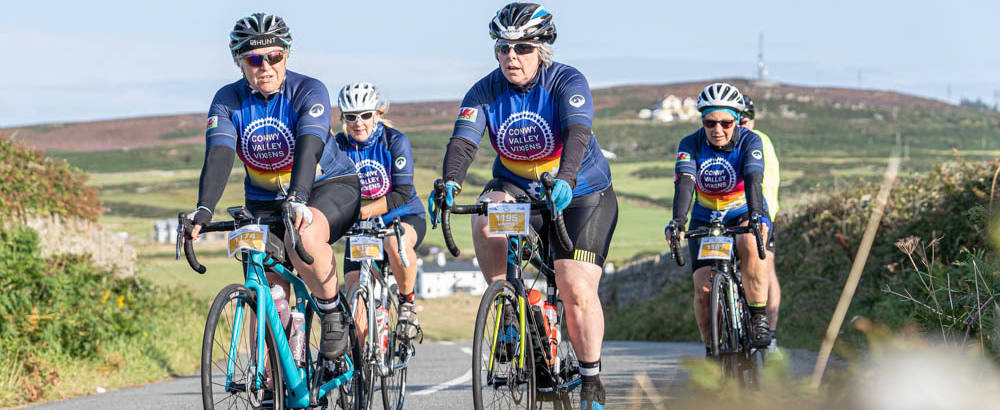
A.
x: 259, y: 30
x: 523, y: 21
x: 748, y: 108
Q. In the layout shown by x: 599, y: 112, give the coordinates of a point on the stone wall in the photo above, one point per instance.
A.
x: 644, y: 279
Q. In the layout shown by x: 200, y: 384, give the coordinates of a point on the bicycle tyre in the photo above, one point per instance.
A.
x: 752, y: 359
x: 365, y: 372
x: 483, y: 378
x: 220, y: 322
x: 724, y: 343
x: 569, y: 367
x: 394, y: 384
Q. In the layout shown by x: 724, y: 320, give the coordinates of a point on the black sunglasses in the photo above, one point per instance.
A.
x: 257, y: 60
x: 504, y: 47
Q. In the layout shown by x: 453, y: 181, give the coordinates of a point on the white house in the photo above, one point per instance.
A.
x: 455, y: 277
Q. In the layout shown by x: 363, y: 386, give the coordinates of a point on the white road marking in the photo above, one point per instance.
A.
x: 446, y: 343
x: 458, y: 380
x: 467, y: 350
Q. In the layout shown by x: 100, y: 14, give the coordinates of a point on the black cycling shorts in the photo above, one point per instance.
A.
x: 339, y: 199
x: 590, y: 222
x: 694, y: 244
x: 419, y: 225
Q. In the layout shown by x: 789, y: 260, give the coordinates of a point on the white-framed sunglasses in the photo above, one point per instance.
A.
x: 365, y: 116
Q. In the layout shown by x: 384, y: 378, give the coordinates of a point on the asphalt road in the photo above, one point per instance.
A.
x: 440, y: 378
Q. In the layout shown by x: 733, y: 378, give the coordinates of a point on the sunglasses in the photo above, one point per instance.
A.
x: 257, y: 60
x: 504, y: 47
x: 365, y: 116
x: 726, y: 124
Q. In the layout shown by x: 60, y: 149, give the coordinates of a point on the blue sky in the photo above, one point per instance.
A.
x: 93, y: 60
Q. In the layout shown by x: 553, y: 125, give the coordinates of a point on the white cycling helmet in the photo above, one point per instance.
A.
x: 720, y: 95
x: 358, y: 97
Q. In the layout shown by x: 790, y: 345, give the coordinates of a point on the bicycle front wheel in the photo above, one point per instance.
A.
x: 365, y: 373
x: 394, y: 383
x: 503, y: 365
x: 725, y: 340
x: 229, y: 355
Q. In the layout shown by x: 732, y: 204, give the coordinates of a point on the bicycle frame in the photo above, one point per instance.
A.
x: 296, y: 379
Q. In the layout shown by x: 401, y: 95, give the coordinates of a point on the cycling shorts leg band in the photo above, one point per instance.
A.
x: 590, y: 222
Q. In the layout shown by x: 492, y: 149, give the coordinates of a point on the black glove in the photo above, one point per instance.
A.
x: 200, y: 216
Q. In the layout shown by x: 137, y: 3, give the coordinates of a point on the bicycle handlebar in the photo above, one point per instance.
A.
x: 675, y: 244
x: 293, y: 234
x: 548, y: 181
x: 703, y: 231
x: 185, y: 225
x: 366, y: 228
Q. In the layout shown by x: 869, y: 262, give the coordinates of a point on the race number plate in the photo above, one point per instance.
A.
x: 715, y: 248
x: 248, y: 237
x: 509, y: 218
x: 364, y: 248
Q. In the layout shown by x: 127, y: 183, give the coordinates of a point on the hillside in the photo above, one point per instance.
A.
x: 612, y: 102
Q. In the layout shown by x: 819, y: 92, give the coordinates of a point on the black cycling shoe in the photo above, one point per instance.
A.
x: 334, y: 341
x: 760, y: 336
x: 592, y: 396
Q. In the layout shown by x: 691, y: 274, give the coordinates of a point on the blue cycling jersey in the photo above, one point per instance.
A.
x: 383, y: 160
x: 263, y: 131
x: 525, y: 127
x: 719, y: 173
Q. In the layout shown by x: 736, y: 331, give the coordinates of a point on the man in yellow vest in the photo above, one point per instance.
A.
x: 772, y: 179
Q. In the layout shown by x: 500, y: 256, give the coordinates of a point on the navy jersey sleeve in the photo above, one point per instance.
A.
x: 576, y: 105
x: 470, y: 124
x: 219, y: 129
x: 313, y: 108
x: 752, y: 152
x: 402, y: 159
x: 685, y: 162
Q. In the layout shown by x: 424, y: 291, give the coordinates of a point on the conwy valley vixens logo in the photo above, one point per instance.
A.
x: 716, y: 176
x: 525, y: 136
x: 375, y: 181
x: 267, y: 145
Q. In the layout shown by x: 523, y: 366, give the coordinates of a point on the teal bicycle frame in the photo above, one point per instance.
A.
x: 296, y: 379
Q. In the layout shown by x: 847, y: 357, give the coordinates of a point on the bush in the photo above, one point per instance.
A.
x: 44, y: 185
x: 817, y: 245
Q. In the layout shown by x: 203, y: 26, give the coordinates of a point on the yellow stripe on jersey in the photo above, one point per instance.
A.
x: 532, y: 170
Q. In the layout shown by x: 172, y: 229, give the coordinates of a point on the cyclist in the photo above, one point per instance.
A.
x: 278, y: 122
x: 770, y: 185
x: 384, y: 162
x: 538, y: 115
x: 723, y: 164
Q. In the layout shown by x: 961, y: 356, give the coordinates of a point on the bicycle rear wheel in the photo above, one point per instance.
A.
x: 725, y: 341
x: 394, y: 383
x: 501, y: 378
x: 219, y: 350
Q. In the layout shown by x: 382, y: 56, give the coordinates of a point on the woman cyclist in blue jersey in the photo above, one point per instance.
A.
x: 384, y: 163
x: 538, y: 115
x: 278, y: 123
x: 723, y: 165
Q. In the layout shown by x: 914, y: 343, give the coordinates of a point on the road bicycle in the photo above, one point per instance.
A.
x: 246, y: 359
x: 519, y: 359
x: 728, y: 308
x: 374, y: 300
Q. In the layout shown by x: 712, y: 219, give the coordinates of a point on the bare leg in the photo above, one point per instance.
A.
x: 491, y: 250
x: 577, y: 283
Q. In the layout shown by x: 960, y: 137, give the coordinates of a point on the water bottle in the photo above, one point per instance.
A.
x: 297, y: 339
x: 281, y: 304
x: 382, y: 320
x: 552, y: 329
